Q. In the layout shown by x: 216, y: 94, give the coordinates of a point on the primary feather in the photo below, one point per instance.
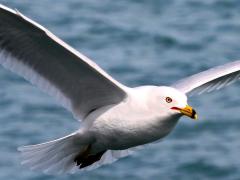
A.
x: 210, y: 80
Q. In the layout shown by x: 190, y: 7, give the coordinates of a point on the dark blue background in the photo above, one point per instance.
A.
x: 138, y: 42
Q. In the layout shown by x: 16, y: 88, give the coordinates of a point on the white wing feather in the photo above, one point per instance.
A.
x: 210, y: 80
x: 33, y: 52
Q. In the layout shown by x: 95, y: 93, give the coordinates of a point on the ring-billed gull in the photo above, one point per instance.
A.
x: 115, y: 118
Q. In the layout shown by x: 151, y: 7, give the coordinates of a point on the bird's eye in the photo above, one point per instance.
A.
x: 168, y: 99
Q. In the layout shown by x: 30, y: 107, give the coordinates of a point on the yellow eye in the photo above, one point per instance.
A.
x: 168, y: 99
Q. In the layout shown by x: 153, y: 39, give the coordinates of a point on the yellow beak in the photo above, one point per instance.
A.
x: 187, y: 111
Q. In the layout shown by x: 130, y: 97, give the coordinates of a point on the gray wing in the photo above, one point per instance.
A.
x: 210, y: 80
x: 33, y: 52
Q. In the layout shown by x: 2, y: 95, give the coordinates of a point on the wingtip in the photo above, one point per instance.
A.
x: 21, y: 148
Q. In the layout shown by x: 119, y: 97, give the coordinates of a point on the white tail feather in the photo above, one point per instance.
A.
x: 52, y: 157
x: 57, y: 156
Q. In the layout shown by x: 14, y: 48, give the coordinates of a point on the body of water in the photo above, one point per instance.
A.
x: 138, y: 42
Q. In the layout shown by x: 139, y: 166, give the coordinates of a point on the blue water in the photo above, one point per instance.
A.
x: 138, y: 42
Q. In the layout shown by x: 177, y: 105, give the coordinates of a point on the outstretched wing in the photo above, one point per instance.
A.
x: 33, y: 52
x: 212, y: 79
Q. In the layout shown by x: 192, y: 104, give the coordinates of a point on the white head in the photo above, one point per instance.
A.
x: 169, y: 101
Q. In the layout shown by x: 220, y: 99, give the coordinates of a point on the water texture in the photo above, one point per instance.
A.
x: 138, y: 42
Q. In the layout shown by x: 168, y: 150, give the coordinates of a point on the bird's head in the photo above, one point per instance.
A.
x: 173, y: 102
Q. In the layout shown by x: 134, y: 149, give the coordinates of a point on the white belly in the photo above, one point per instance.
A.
x: 123, y: 130
x: 133, y: 122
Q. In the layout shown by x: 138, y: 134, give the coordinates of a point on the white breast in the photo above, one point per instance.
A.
x: 126, y: 125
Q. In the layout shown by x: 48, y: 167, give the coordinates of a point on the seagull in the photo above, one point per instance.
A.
x: 115, y: 119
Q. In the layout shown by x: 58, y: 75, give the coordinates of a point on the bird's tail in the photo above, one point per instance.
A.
x: 53, y: 157
x: 58, y: 156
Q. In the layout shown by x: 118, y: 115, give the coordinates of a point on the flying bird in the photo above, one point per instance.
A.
x: 115, y: 119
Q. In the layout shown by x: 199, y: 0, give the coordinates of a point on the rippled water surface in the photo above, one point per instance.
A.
x: 138, y: 42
